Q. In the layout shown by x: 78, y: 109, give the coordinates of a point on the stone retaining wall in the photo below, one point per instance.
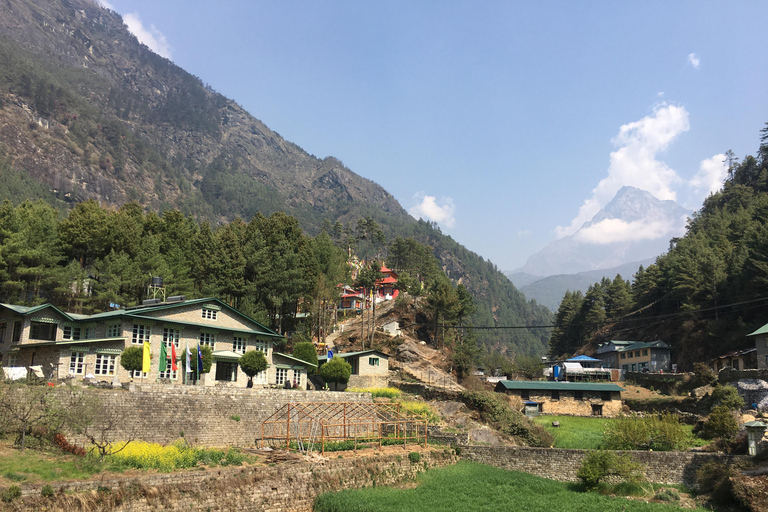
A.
x: 560, y: 464
x: 284, y: 487
x: 205, y: 416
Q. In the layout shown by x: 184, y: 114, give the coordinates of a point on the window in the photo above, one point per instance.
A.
x: 88, y: 333
x: 634, y: 367
x: 210, y: 314
x: 555, y: 394
x: 114, y: 330
x: 76, y: 363
x: 140, y: 334
x: 105, y: 364
x: 226, y: 371
x: 298, y: 377
x: 623, y: 355
x: 645, y: 351
x: 238, y: 345
x: 16, y: 331
x: 525, y: 394
x: 263, y: 346
x: 281, y: 375
x: 260, y: 378
x: 171, y: 336
x: 2, y: 332
x: 71, y: 333
x: 637, y: 353
x: 42, y: 331
x: 13, y: 359
x: 168, y: 373
x: 373, y: 361
x: 207, y: 338
x: 138, y: 374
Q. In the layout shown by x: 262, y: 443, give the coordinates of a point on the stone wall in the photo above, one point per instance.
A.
x: 559, y: 464
x: 284, y: 487
x: 727, y: 375
x: 205, y: 416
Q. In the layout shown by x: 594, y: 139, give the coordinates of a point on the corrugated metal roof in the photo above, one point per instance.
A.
x: 353, y: 354
x: 762, y: 330
x: 548, y: 385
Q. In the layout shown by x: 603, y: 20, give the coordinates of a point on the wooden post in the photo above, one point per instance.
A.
x: 426, y: 423
x: 345, y: 420
x: 322, y: 439
x: 288, y: 430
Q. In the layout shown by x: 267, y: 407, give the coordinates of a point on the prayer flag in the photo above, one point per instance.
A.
x: 163, y: 365
x: 145, y: 362
x: 199, y: 360
x: 189, y: 356
x: 174, y: 366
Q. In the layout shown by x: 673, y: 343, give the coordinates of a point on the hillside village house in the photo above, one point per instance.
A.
x: 81, y: 345
x: 635, y: 356
x: 569, y: 398
x: 370, y: 368
x: 737, y: 359
x: 761, y: 346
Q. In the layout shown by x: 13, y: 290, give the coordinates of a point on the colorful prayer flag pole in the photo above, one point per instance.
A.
x: 145, y: 361
x: 163, y: 365
x: 174, y: 366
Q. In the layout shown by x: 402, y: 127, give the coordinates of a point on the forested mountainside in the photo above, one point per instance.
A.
x: 87, y: 112
x: 704, y: 295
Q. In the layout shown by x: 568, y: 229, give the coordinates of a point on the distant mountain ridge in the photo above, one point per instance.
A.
x: 642, y: 215
x: 87, y: 112
x: 549, y: 290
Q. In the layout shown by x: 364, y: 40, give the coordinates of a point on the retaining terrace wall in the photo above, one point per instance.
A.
x: 560, y: 464
x: 205, y: 416
x: 283, y: 488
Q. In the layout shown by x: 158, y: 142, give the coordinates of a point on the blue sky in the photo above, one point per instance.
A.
x: 507, y: 122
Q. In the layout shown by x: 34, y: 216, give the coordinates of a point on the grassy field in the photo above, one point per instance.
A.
x: 584, y: 432
x: 472, y: 487
x: 575, y: 432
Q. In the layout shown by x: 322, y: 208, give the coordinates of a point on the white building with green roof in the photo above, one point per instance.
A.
x: 79, y: 346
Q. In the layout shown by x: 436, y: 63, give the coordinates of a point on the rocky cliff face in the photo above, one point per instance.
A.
x: 135, y: 126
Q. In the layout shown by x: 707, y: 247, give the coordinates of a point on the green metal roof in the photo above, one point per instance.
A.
x: 762, y: 330
x: 353, y: 354
x: 301, y: 361
x: 548, y: 385
x: 28, y: 310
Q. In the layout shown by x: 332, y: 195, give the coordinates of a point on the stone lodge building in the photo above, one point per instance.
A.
x: 567, y: 398
x: 635, y: 356
x: 76, y: 345
x: 370, y: 368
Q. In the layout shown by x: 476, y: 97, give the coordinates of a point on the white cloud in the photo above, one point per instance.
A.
x: 151, y: 37
x: 105, y: 4
x: 635, y: 162
x: 430, y: 209
x: 711, y: 175
x: 694, y: 60
x: 616, y: 230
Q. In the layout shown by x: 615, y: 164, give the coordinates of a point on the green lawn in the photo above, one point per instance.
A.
x: 585, y: 432
x: 472, y: 487
x: 33, y: 466
x: 575, y: 432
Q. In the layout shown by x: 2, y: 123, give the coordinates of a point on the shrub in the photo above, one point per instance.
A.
x: 720, y: 423
x: 132, y: 359
x: 703, y: 375
x: 667, y: 495
x: 729, y: 397
x: 494, y: 409
x: 253, y: 362
x: 336, y: 370
x: 47, y: 491
x: 414, y: 457
x: 377, y: 392
x: 601, y: 464
x: 306, y: 351
x: 11, y: 493
x: 662, y: 432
